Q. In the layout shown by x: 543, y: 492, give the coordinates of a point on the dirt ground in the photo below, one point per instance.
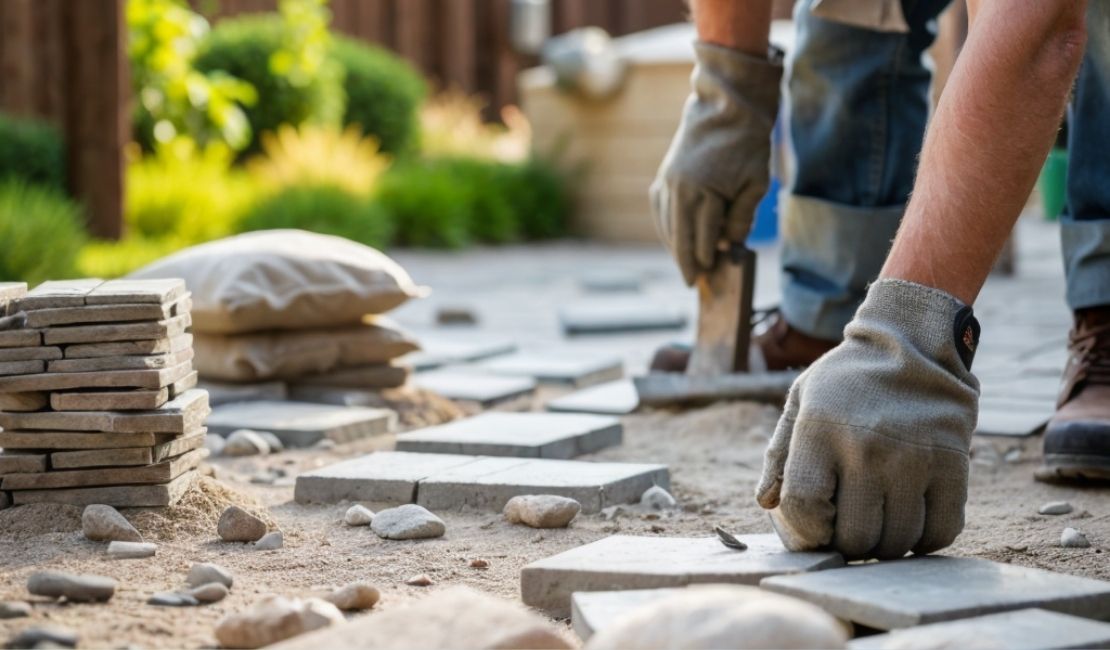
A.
x: 714, y: 453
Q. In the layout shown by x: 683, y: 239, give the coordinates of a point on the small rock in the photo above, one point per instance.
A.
x: 76, y: 588
x: 270, y: 541
x: 43, y: 637
x: 15, y: 609
x: 479, y: 564
x: 541, y: 510
x: 1055, y: 508
x: 102, y: 523
x: 657, y: 498
x: 354, y: 597
x: 421, y: 580
x: 274, y: 619
x: 326, y: 444
x: 358, y: 516
x: 1013, y: 455
x: 213, y: 592
x: 203, y: 573
x: 131, y: 550
x: 263, y: 478
x: 173, y: 599
x: 238, y: 525
x: 1072, y: 538
x: 272, y: 441
x: 245, y: 442
x: 456, y: 316
x: 409, y: 521
x: 215, y: 444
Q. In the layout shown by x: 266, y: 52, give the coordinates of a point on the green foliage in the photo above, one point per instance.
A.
x: 326, y: 209
x: 537, y: 194
x: 175, y: 98
x: 426, y: 205
x: 42, y: 232
x: 113, y: 259
x: 33, y: 151
x: 383, y: 94
x: 285, y: 58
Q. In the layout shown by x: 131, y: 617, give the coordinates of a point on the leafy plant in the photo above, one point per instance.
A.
x: 33, y: 151
x: 537, y: 193
x: 325, y: 209
x: 427, y: 207
x: 383, y: 94
x: 41, y: 232
x: 319, y: 155
x: 452, y: 126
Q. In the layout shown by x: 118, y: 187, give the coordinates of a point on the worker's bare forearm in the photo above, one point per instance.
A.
x: 993, y: 127
x: 739, y: 24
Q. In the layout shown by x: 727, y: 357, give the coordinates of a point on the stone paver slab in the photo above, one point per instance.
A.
x: 117, y: 332
x: 1025, y: 629
x: 127, y: 457
x: 10, y: 291
x: 1012, y: 417
x: 148, y: 379
x: 592, y: 611
x: 13, y: 368
x: 574, y: 368
x: 611, y: 398
x: 489, y: 483
x: 526, y: 435
x: 71, y: 440
x: 145, y: 362
x: 377, y: 376
x: 481, y: 389
x: 129, y: 348
x: 624, y: 562
x: 108, y: 313
x: 119, y: 496
x: 22, y: 463
x: 438, y: 350
x: 220, y: 393
x: 186, y: 413
x: 21, y: 402
x: 122, y: 292
x: 127, y: 400
x: 162, y: 472
x: 614, y: 281
x: 916, y: 591
x: 25, y: 338
x: 300, y: 424
x: 58, y: 293
x: 389, y: 477
x: 30, y: 354
x: 609, y: 317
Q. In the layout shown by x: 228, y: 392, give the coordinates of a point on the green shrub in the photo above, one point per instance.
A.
x: 33, y: 151
x: 426, y: 206
x: 538, y: 195
x: 41, y: 232
x: 268, y: 51
x: 490, y: 217
x: 113, y: 259
x: 383, y: 94
x: 326, y: 209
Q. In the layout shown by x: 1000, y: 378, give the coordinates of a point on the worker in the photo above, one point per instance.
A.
x: 870, y: 457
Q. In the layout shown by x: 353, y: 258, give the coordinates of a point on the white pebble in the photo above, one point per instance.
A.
x: 1055, y: 508
x: 131, y: 550
x: 1072, y: 538
x: 358, y: 515
x: 245, y: 442
x: 270, y: 541
x: 657, y: 498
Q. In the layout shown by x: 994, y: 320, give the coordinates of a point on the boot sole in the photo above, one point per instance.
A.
x: 1072, y: 467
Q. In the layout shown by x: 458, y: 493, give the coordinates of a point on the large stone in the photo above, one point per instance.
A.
x: 184, y: 414
x: 943, y: 589
x: 481, y: 389
x: 74, y: 588
x: 354, y: 597
x: 12, y: 463
x: 48, y: 636
x: 409, y: 521
x: 1024, y: 629
x: 132, y: 457
x: 101, y: 523
x: 97, y: 364
x: 107, y: 314
x: 626, y: 562
x: 203, y: 573
x: 274, y: 619
x: 58, y: 293
x: 457, y: 617
x: 131, y: 550
x: 611, y: 398
x: 121, y: 496
x: 162, y: 472
x: 717, y: 616
x: 148, y: 379
x: 526, y: 435
x: 130, y: 348
x: 558, y: 367
x: 238, y: 525
x: 14, y: 609
x: 541, y: 510
x: 299, y: 424
x: 597, y: 316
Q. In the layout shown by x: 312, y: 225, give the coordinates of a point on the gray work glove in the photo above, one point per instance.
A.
x: 870, y: 457
x: 718, y: 166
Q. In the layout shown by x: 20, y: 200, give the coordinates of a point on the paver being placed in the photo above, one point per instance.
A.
x: 120, y: 496
x: 129, y: 348
x: 525, y: 435
x: 162, y: 472
x: 382, y: 477
x: 127, y: 457
x: 931, y: 589
x: 118, y: 332
x: 574, y: 368
x: 186, y: 413
x: 607, y: 317
x: 623, y: 562
x: 482, y: 389
x: 1025, y: 629
x: 489, y: 483
x: 592, y: 611
x: 611, y: 398
x: 300, y: 424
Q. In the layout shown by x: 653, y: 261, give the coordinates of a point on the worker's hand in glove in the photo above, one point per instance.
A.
x: 717, y: 168
x: 870, y: 457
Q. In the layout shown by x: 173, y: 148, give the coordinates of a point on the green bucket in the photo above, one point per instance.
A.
x: 1053, y: 183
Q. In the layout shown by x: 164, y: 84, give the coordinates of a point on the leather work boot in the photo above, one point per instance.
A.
x: 778, y: 347
x: 1077, y: 439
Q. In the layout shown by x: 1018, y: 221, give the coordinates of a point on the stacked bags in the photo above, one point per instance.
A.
x: 294, y: 306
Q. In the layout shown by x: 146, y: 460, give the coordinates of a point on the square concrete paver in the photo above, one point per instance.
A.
x: 482, y: 389
x: 916, y: 591
x: 611, y: 398
x: 623, y: 562
x: 525, y: 435
x: 565, y: 367
x: 1013, y: 417
x: 438, y: 350
x: 592, y: 611
x: 300, y: 424
x: 613, y: 316
x: 1025, y: 629
x: 389, y: 477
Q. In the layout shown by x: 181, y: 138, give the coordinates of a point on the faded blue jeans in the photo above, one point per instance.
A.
x: 857, y: 104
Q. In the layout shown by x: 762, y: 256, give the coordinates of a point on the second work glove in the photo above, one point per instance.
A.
x: 718, y: 166
x: 870, y: 457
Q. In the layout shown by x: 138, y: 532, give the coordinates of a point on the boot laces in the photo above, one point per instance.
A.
x: 1090, y: 348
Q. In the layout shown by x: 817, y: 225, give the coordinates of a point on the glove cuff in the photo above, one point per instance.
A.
x: 758, y: 76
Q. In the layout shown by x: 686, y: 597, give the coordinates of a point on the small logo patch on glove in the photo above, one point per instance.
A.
x: 967, y: 335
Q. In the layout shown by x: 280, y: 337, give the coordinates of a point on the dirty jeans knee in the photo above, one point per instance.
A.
x: 857, y: 104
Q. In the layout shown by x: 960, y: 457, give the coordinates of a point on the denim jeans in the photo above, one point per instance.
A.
x: 857, y: 105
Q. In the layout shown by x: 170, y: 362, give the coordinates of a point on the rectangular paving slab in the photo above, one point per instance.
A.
x: 123, y: 400
x: 389, y: 477
x: 300, y: 424
x: 129, y: 348
x: 220, y: 393
x: 11, y: 291
x: 186, y: 413
x: 525, y: 435
x: 12, y: 368
x: 119, y: 496
x: 58, y: 293
x: 122, y: 292
x: 116, y: 332
x: 611, y: 398
x: 162, y: 472
x: 30, y: 354
x: 148, y: 379
x: 592, y: 611
x: 145, y: 362
x: 565, y: 367
x: 613, y: 316
x: 71, y: 440
x: 127, y: 457
x: 1012, y: 417
x: 25, y: 338
x: 438, y: 350
x: 377, y: 376
x: 108, y: 313
x: 21, y: 463
x: 1024, y: 629
x: 481, y: 389
x: 21, y: 402
x: 622, y: 562
x: 921, y: 590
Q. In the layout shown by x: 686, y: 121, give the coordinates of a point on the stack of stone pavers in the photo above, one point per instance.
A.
x: 97, y: 393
